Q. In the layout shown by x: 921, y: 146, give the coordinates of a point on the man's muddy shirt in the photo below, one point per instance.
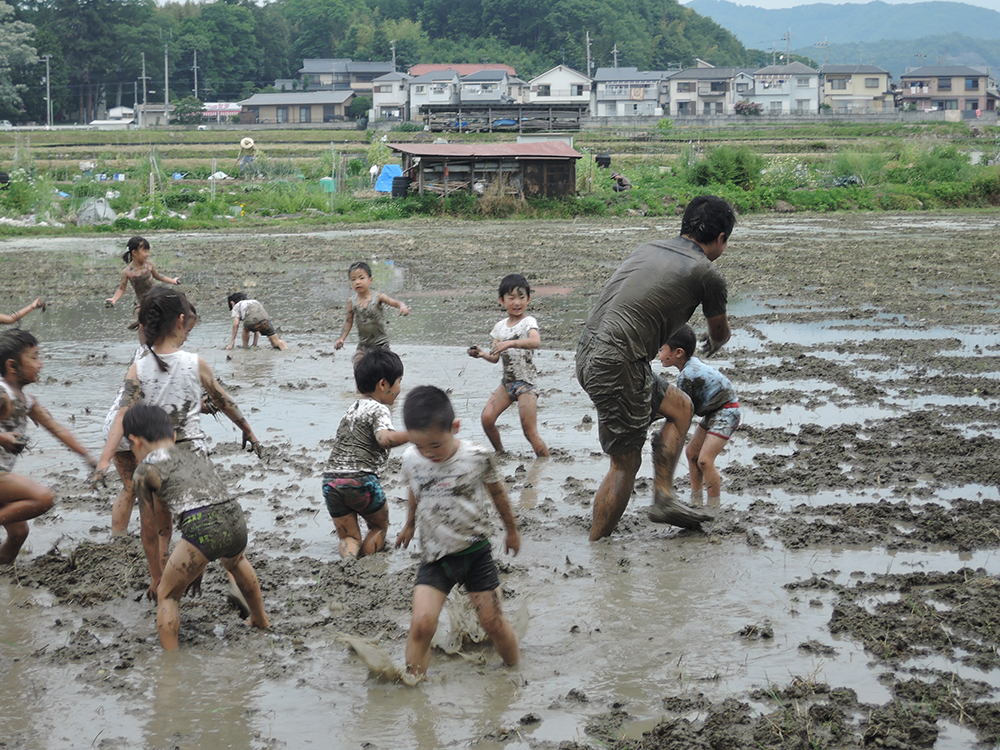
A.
x: 356, y: 451
x: 650, y: 296
x: 453, y: 506
x: 187, y: 480
x: 177, y: 391
x: 708, y: 388
x: 518, y: 364
x: 249, y: 311
x: 17, y: 421
x: 372, y: 333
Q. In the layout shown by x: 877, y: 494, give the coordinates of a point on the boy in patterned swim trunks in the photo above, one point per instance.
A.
x: 255, y: 320
x: 367, y: 307
x: 514, y: 339
x: 714, y: 399
x: 175, y: 481
x: 360, y: 455
x: 449, y: 480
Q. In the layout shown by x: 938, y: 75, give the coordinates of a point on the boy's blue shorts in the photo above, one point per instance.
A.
x: 358, y: 494
x: 473, y: 569
x: 517, y: 388
x: 722, y: 422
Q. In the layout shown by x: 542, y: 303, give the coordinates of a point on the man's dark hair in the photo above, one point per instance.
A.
x: 236, y: 297
x: 359, y: 264
x: 375, y: 365
x: 428, y: 407
x: 512, y: 282
x: 706, y: 217
x: 12, y: 344
x: 148, y: 422
x: 685, y: 339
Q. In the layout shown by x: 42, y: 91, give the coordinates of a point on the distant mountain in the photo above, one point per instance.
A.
x: 759, y: 28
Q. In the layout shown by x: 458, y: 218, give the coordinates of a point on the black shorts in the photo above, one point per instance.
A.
x: 216, y: 530
x: 264, y: 328
x: 475, y: 570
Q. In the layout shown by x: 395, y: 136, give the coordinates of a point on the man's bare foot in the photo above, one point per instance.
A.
x: 667, y: 509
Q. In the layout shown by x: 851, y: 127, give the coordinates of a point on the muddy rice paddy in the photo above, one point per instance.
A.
x: 847, y: 594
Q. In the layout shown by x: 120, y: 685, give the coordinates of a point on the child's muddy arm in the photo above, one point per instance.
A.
x: 122, y: 288
x: 16, y: 316
x: 40, y: 415
x: 236, y: 330
x: 499, y: 495
x: 385, y: 299
x: 130, y: 397
x: 405, y: 535
x: 391, y: 438
x: 165, y: 279
x: 226, y: 405
x: 147, y: 482
x: 493, y: 355
x: 347, y: 326
x: 533, y: 341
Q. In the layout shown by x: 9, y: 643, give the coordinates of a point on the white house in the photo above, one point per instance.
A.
x: 629, y: 92
x: 436, y: 87
x: 707, y: 90
x: 485, y: 87
x: 391, y: 97
x: 786, y: 89
x: 560, y: 85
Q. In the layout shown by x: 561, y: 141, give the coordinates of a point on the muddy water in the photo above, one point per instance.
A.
x: 618, y: 625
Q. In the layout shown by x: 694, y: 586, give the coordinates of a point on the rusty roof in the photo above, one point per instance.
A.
x: 539, y: 150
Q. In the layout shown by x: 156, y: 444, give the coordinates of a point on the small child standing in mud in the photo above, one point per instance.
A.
x: 140, y: 272
x: 514, y: 339
x: 367, y: 306
x: 175, y: 482
x: 448, y: 480
x: 38, y: 304
x: 360, y: 454
x: 254, y: 318
x: 714, y: 399
x: 20, y: 498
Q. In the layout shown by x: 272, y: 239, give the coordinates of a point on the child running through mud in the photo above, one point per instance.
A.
x: 514, y: 339
x: 360, y: 455
x: 367, y: 306
x: 255, y: 320
x: 448, y: 480
x: 714, y: 399
x: 38, y: 304
x: 20, y: 498
x: 172, y: 481
x: 140, y: 272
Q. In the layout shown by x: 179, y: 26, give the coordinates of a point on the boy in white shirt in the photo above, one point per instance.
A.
x: 448, y: 481
x: 514, y: 339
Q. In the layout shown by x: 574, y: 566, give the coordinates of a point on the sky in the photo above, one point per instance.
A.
x: 771, y: 4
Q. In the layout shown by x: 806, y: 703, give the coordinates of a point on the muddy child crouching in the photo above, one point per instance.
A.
x: 360, y: 455
x: 255, y: 320
x: 175, y: 482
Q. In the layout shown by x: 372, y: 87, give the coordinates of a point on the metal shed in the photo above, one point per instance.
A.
x: 546, y: 168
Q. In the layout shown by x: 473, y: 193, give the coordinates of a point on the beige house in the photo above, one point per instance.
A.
x: 296, y: 107
x: 943, y: 87
x: 856, y: 89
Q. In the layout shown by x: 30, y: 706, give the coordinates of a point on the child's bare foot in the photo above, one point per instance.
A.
x: 235, y: 597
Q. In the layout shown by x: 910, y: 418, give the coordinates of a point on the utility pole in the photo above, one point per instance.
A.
x: 392, y: 44
x: 142, y: 112
x: 48, y: 94
x: 590, y: 64
x: 614, y: 52
x: 166, y: 86
x: 825, y: 45
x: 196, y: 74
x: 788, y: 46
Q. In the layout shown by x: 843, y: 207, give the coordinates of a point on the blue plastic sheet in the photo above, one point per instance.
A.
x: 384, y: 182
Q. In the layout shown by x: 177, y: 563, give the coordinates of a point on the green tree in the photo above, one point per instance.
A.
x: 15, y: 52
x: 360, y: 106
x: 189, y: 110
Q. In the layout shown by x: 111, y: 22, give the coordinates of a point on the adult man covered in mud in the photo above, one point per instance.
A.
x: 651, y: 295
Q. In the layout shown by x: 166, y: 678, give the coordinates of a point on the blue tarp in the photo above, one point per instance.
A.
x: 384, y: 182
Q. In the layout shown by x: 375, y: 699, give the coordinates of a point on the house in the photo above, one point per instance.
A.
x: 435, y: 87
x: 560, y: 85
x: 463, y: 69
x: 785, y: 89
x: 484, y: 87
x: 940, y: 87
x: 287, y: 84
x: 545, y: 168
x: 856, y: 88
x: 707, y: 90
x: 391, y: 97
x: 296, y: 107
x: 629, y: 92
x: 341, y: 74
x: 517, y: 89
x: 150, y: 114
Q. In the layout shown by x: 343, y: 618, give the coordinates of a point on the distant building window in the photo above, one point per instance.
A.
x: 838, y: 84
x: 544, y: 89
x: 871, y: 83
x: 577, y: 89
x: 383, y: 89
x: 944, y: 104
x: 281, y: 114
x: 972, y: 84
x: 305, y: 114
x: 802, y: 82
x: 801, y: 106
x: 611, y: 109
x: 944, y: 84
x: 741, y: 87
x: 774, y: 108
x: 419, y: 89
x: 683, y: 87
x: 719, y: 86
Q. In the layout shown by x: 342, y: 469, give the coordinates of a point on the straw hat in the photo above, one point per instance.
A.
x: 246, y: 143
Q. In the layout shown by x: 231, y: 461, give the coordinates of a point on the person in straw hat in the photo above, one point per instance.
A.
x: 247, y: 152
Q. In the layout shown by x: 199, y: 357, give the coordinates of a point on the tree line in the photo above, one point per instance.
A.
x: 233, y: 48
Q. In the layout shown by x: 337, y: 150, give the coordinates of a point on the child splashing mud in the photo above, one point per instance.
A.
x: 367, y: 306
x: 38, y: 304
x: 140, y: 272
x: 20, y: 498
x: 173, y: 481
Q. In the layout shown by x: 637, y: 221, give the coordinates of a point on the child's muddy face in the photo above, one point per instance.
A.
x: 361, y: 282
x: 31, y: 365
x: 515, y: 302
x: 435, y: 444
x: 140, y: 255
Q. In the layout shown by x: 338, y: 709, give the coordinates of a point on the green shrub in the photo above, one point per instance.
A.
x: 589, y: 206
x: 867, y: 168
x: 727, y: 165
x: 408, y: 127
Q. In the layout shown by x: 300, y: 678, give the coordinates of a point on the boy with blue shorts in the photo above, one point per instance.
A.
x: 514, y: 339
x: 360, y: 455
x: 448, y: 480
x: 714, y: 399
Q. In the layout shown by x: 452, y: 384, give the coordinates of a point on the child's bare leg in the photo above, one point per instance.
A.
x: 497, y: 405
x: 527, y: 406
x: 183, y: 566
x: 497, y: 627
x: 17, y: 534
x: 378, y: 527
x: 276, y: 342
x: 691, y: 453
x: 256, y: 338
x: 349, y: 533
x: 246, y: 337
x: 20, y: 500
x: 427, y: 604
x: 246, y: 579
x: 121, y: 511
x: 713, y: 446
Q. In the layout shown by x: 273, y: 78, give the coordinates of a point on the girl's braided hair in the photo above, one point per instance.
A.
x: 158, y: 313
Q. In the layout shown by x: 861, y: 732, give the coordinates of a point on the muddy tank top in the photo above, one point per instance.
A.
x: 371, y: 324
x: 17, y: 421
x: 178, y: 391
x: 142, y: 283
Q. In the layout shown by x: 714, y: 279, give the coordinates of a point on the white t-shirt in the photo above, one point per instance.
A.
x: 250, y: 311
x: 453, y: 506
x: 356, y: 451
x: 518, y: 364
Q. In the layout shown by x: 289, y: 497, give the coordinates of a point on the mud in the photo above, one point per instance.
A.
x: 845, y: 596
